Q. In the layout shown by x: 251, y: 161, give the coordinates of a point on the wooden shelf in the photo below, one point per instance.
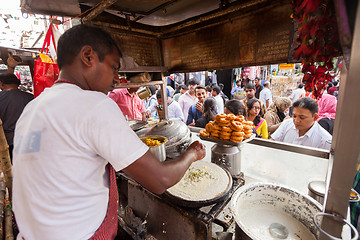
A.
x: 148, y: 69
x: 129, y: 85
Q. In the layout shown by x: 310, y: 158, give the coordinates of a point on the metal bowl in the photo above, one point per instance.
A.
x: 268, y: 211
x: 159, y: 150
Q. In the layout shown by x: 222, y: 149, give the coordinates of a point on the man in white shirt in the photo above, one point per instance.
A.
x: 188, y: 98
x: 219, y: 100
x: 303, y: 129
x: 174, y: 109
x: 295, y: 95
x: 265, y: 95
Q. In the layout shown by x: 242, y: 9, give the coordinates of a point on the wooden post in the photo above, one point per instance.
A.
x: 6, y: 166
x: 98, y: 9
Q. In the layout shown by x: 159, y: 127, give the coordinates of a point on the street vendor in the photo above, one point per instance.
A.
x: 70, y: 139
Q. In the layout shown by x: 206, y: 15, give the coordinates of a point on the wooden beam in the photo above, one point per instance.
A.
x: 98, y: 9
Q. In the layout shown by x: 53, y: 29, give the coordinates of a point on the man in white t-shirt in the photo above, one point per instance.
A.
x: 219, y: 100
x: 265, y: 95
x: 69, y: 140
x: 174, y: 109
x: 188, y: 98
x: 303, y: 129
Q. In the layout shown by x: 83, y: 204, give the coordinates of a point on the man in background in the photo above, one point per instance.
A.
x: 196, y: 110
x: 188, y: 98
x: 130, y: 104
x: 250, y: 94
x: 219, y: 100
x: 265, y: 95
x: 12, y: 103
x: 235, y: 92
x: 302, y: 128
x: 295, y: 95
x: 258, y: 88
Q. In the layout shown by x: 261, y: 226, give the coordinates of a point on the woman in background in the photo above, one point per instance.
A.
x: 253, y: 114
x: 327, y: 110
x: 209, y: 114
x: 275, y: 114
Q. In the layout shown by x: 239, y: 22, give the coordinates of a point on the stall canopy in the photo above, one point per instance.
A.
x: 187, y: 35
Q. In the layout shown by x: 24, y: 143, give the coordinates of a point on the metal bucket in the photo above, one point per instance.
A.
x: 268, y: 211
x: 159, y: 150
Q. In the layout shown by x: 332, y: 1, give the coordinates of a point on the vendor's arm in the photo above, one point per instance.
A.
x: 158, y: 176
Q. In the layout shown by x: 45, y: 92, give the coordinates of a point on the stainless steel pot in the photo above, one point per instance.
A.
x: 268, y: 211
x: 159, y: 150
x: 317, y: 190
x: 177, y: 134
x: 228, y: 157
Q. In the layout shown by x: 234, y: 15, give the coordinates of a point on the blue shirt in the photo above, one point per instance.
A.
x: 193, y: 114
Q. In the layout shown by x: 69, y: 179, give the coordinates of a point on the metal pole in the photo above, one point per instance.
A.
x: 164, y: 97
x: 346, y: 139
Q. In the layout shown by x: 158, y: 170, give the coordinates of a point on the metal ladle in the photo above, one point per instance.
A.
x: 278, y: 231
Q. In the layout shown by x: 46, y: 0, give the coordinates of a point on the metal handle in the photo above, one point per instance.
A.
x: 338, y: 218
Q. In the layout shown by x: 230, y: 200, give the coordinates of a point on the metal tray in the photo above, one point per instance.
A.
x: 135, y: 124
x: 225, y: 142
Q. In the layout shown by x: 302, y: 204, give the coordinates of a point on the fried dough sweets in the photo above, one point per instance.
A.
x: 228, y: 127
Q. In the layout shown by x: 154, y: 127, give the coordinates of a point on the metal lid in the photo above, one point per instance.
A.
x: 317, y: 187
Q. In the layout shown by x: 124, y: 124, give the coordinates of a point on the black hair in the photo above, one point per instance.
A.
x: 9, y: 78
x: 249, y: 104
x: 158, y: 94
x: 300, y: 85
x: 235, y: 106
x: 237, y: 81
x: 200, y: 87
x: 330, y: 84
x: 250, y: 86
x: 266, y: 84
x: 216, y: 89
x: 209, y: 108
x: 208, y: 88
x: 184, y: 87
x: 306, y: 103
x: 193, y: 81
x: 152, y: 89
x: 71, y: 42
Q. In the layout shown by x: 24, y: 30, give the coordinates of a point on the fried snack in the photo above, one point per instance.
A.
x: 214, y: 134
x: 236, y: 139
x: 209, y: 127
x: 247, y: 127
x: 226, y: 129
x: 240, y: 119
x: 230, y: 117
x: 225, y: 133
x: 151, y: 142
x: 228, y: 124
x: 249, y: 123
x: 248, y: 131
x: 225, y: 137
x: 217, y: 117
x: 204, y: 133
x: 236, y: 126
x: 238, y: 134
x: 216, y: 127
x: 248, y: 135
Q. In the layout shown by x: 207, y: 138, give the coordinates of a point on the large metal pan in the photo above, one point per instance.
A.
x: 178, y: 200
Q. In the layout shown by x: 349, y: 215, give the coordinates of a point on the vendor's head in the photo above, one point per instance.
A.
x: 250, y: 91
x: 200, y: 93
x: 305, y: 113
x: 235, y: 107
x: 90, y: 57
x: 193, y: 84
x: 8, y: 81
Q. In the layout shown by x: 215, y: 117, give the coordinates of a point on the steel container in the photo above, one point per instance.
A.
x: 177, y: 133
x: 317, y: 190
x: 227, y: 156
x: 159, y: 150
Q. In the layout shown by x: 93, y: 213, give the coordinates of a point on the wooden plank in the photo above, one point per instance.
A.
x: 98, y: 9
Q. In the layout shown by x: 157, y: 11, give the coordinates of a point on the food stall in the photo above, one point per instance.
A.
x: 186, y: 36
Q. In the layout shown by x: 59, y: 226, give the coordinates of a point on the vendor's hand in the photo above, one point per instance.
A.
x: 199, y: 106
x: 198, y: 149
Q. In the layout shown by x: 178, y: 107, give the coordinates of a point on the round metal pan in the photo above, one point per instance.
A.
x: 135, y: 124
x: 197, y: 204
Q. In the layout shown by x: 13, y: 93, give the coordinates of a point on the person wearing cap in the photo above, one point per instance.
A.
x: 174, y: 109
x: 13, y: 101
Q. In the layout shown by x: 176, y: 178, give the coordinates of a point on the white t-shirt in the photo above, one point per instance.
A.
x: 265, y: 94
x: 63, y: 141
x: 219, y: 103
x: 186, y: 101
x: 174, y: 111
x: 316, y: 136
x: 295, y: 95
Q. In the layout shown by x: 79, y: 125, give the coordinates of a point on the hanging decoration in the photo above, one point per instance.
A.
x: 318, y: 41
